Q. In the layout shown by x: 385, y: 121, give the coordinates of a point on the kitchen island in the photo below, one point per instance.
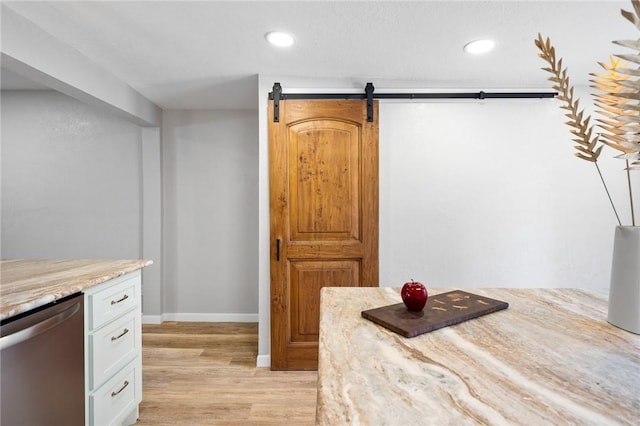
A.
x: 550, y: 358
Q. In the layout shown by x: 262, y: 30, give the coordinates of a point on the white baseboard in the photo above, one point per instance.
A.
x: 152, y: 319
x: 194, y: 317
x: 263, y: 361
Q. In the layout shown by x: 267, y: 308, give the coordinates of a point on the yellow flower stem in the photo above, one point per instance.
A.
x: 633, y: 215
x: 608, y: 195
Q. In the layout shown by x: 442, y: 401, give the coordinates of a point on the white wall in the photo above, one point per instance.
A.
x: 151, y: 224
x: 210, y: 165
x: 475, y: 194
x: 29, y: 51
x: 489, y: 194
x: 78, y: 182
x: 70, y: 179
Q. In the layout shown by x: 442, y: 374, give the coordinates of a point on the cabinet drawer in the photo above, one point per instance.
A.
x: 113, y: 301
x: 113, y: 401
x: 113, y: 346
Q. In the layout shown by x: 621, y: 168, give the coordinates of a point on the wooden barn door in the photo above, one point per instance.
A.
x: 323, y: 160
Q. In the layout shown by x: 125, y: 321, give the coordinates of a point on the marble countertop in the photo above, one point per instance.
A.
x: 551, y: 358
x: 26, y: 284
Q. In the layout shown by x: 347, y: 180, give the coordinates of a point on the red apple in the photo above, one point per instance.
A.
x: 414, y: 295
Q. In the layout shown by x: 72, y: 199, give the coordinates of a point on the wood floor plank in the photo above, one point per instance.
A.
x: 205, y: 374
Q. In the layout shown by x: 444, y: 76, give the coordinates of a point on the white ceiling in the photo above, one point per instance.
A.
x: 199, y: 55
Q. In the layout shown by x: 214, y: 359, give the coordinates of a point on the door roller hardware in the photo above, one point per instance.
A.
x: 277, y: 95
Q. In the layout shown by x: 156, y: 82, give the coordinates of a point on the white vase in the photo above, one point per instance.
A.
x: 624, y: 293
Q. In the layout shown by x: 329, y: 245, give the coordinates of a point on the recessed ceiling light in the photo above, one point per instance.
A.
x: 280, y: 39
x: 478, y: 47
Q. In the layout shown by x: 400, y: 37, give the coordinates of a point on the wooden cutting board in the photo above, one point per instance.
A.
x: 441, y: 310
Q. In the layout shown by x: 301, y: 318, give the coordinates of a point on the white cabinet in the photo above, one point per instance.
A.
x: 113, y: 351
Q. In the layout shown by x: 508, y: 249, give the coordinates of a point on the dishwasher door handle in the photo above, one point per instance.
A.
x: 39, y: 328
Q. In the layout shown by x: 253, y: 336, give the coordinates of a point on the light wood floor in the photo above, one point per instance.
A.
x: 205, y: 374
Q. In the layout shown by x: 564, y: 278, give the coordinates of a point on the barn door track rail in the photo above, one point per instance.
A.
x: 277, y: 95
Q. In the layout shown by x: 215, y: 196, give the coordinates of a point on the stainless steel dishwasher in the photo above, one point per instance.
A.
x: 42, y: 363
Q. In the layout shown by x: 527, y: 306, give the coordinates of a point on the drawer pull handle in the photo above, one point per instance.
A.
x: 126, y: 383
x: 115, y: 302
x: 126, y: 330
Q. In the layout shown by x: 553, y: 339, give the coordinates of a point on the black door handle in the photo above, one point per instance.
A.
x: 278, y: 249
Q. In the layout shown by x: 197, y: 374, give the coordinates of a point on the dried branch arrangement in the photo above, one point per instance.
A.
x: 618, y: 102
x: 581, y: 128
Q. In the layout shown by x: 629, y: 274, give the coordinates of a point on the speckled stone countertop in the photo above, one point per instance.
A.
x: 551, y: 358
x: 26, y: 284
